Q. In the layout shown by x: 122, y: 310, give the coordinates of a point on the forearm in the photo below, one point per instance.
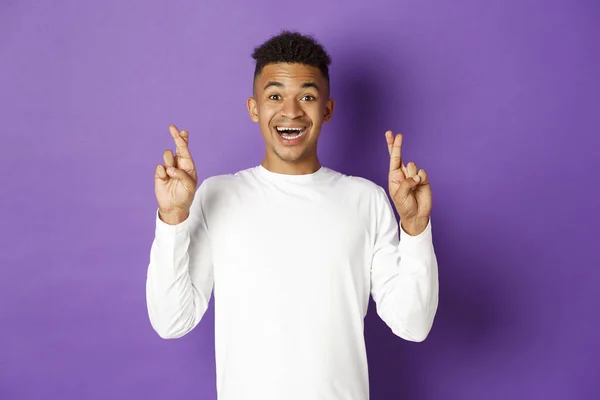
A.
x: 175, y: 306
x: 405, y: 283
x: 413, y: 298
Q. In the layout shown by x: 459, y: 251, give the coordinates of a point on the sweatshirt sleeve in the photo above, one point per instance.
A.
x: 179, y: 279
x: 404, y: 275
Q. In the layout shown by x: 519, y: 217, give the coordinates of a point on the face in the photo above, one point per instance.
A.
x: 290, y: 104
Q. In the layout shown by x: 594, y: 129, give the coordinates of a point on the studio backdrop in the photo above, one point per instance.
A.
x: 497, y: 100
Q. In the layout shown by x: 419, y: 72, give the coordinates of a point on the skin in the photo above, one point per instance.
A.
x: 409, y: 188
x: 291, y: 95
x: 176, y: 180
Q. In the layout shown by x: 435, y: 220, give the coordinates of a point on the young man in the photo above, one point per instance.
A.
x: 291, y: 249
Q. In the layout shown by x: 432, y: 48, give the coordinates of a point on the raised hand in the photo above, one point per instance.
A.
x: 175, y: 181
x: 409, y: 188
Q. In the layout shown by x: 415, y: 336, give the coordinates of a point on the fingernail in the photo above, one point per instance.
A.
x: 417, y: 178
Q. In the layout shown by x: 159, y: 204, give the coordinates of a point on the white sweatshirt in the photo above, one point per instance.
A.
x: 292, y: 260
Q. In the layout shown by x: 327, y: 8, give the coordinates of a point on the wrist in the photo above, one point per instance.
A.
x: 173, y: 217
x: 414, y: 226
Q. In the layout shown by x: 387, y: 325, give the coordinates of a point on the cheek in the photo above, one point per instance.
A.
x: 266, y: 113
x: 317, y: 113
x: 265, y: 116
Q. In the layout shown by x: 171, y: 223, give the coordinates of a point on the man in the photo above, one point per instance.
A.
x: 291, y: 249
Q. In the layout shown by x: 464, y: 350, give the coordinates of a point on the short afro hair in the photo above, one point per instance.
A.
x: 294, y: 48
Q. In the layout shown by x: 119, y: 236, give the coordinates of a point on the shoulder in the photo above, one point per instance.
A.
x: 358, y: 184
x: 217, y: 183
x: 218, y: 188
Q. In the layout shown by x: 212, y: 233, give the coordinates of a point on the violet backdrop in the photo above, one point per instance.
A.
x: 499, y: 101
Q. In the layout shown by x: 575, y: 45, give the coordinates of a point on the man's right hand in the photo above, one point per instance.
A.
x: 175, y: 181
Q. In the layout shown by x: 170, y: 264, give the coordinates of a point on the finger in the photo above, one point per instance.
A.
x: 160, y: 172
x: 389, y: 138
x: 169, y: 159
x: 423, y: 175
x: 396, y: 177
x: 412, y: 169
x: 404, y: 170
x: 180, y: 142
x: 179, y: 174
x: 396, y: 153
x: 184, y: 152
x: 185, y: 136
x: 408, y: 185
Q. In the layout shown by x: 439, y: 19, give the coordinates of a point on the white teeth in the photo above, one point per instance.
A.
x: 284, y: 129
x: 289, y: 136
x: 286, y: 136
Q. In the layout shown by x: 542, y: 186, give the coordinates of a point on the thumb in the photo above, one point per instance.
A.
x: 183, y: 177
x: 408, y: 185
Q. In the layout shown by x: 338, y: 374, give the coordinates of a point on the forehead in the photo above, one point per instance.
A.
x: 289, y: 74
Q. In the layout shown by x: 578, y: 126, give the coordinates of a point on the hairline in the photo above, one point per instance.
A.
x: 258, y: 74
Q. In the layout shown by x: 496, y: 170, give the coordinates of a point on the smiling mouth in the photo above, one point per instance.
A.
x: 289, y: 132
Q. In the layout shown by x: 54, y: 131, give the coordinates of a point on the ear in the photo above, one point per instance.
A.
x: 329, y: 106
x: 252, y: 109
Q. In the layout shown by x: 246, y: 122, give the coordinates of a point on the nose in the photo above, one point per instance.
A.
x: 292, y: 108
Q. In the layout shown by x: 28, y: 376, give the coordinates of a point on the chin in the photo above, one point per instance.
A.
x: 291, y: 157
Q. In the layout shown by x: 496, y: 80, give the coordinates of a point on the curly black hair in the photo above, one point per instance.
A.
x: 292, y: 47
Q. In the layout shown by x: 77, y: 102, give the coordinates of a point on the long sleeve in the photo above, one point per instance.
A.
x: 180, y: 273
x: 404, y: 275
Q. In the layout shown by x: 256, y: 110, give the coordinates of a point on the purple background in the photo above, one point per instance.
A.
x: 498, y: 102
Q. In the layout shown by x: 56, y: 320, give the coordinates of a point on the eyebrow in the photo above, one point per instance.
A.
x: 304, y: 85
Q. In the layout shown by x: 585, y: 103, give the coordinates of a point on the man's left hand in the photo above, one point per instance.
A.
x: 409, y: 188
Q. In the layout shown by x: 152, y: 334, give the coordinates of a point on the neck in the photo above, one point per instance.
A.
x: 300, y: 167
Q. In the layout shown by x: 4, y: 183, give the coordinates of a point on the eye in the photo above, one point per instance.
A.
x: 308, y: 97
x: 275, y: 97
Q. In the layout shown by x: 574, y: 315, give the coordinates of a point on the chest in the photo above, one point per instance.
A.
x: 286, y: 246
